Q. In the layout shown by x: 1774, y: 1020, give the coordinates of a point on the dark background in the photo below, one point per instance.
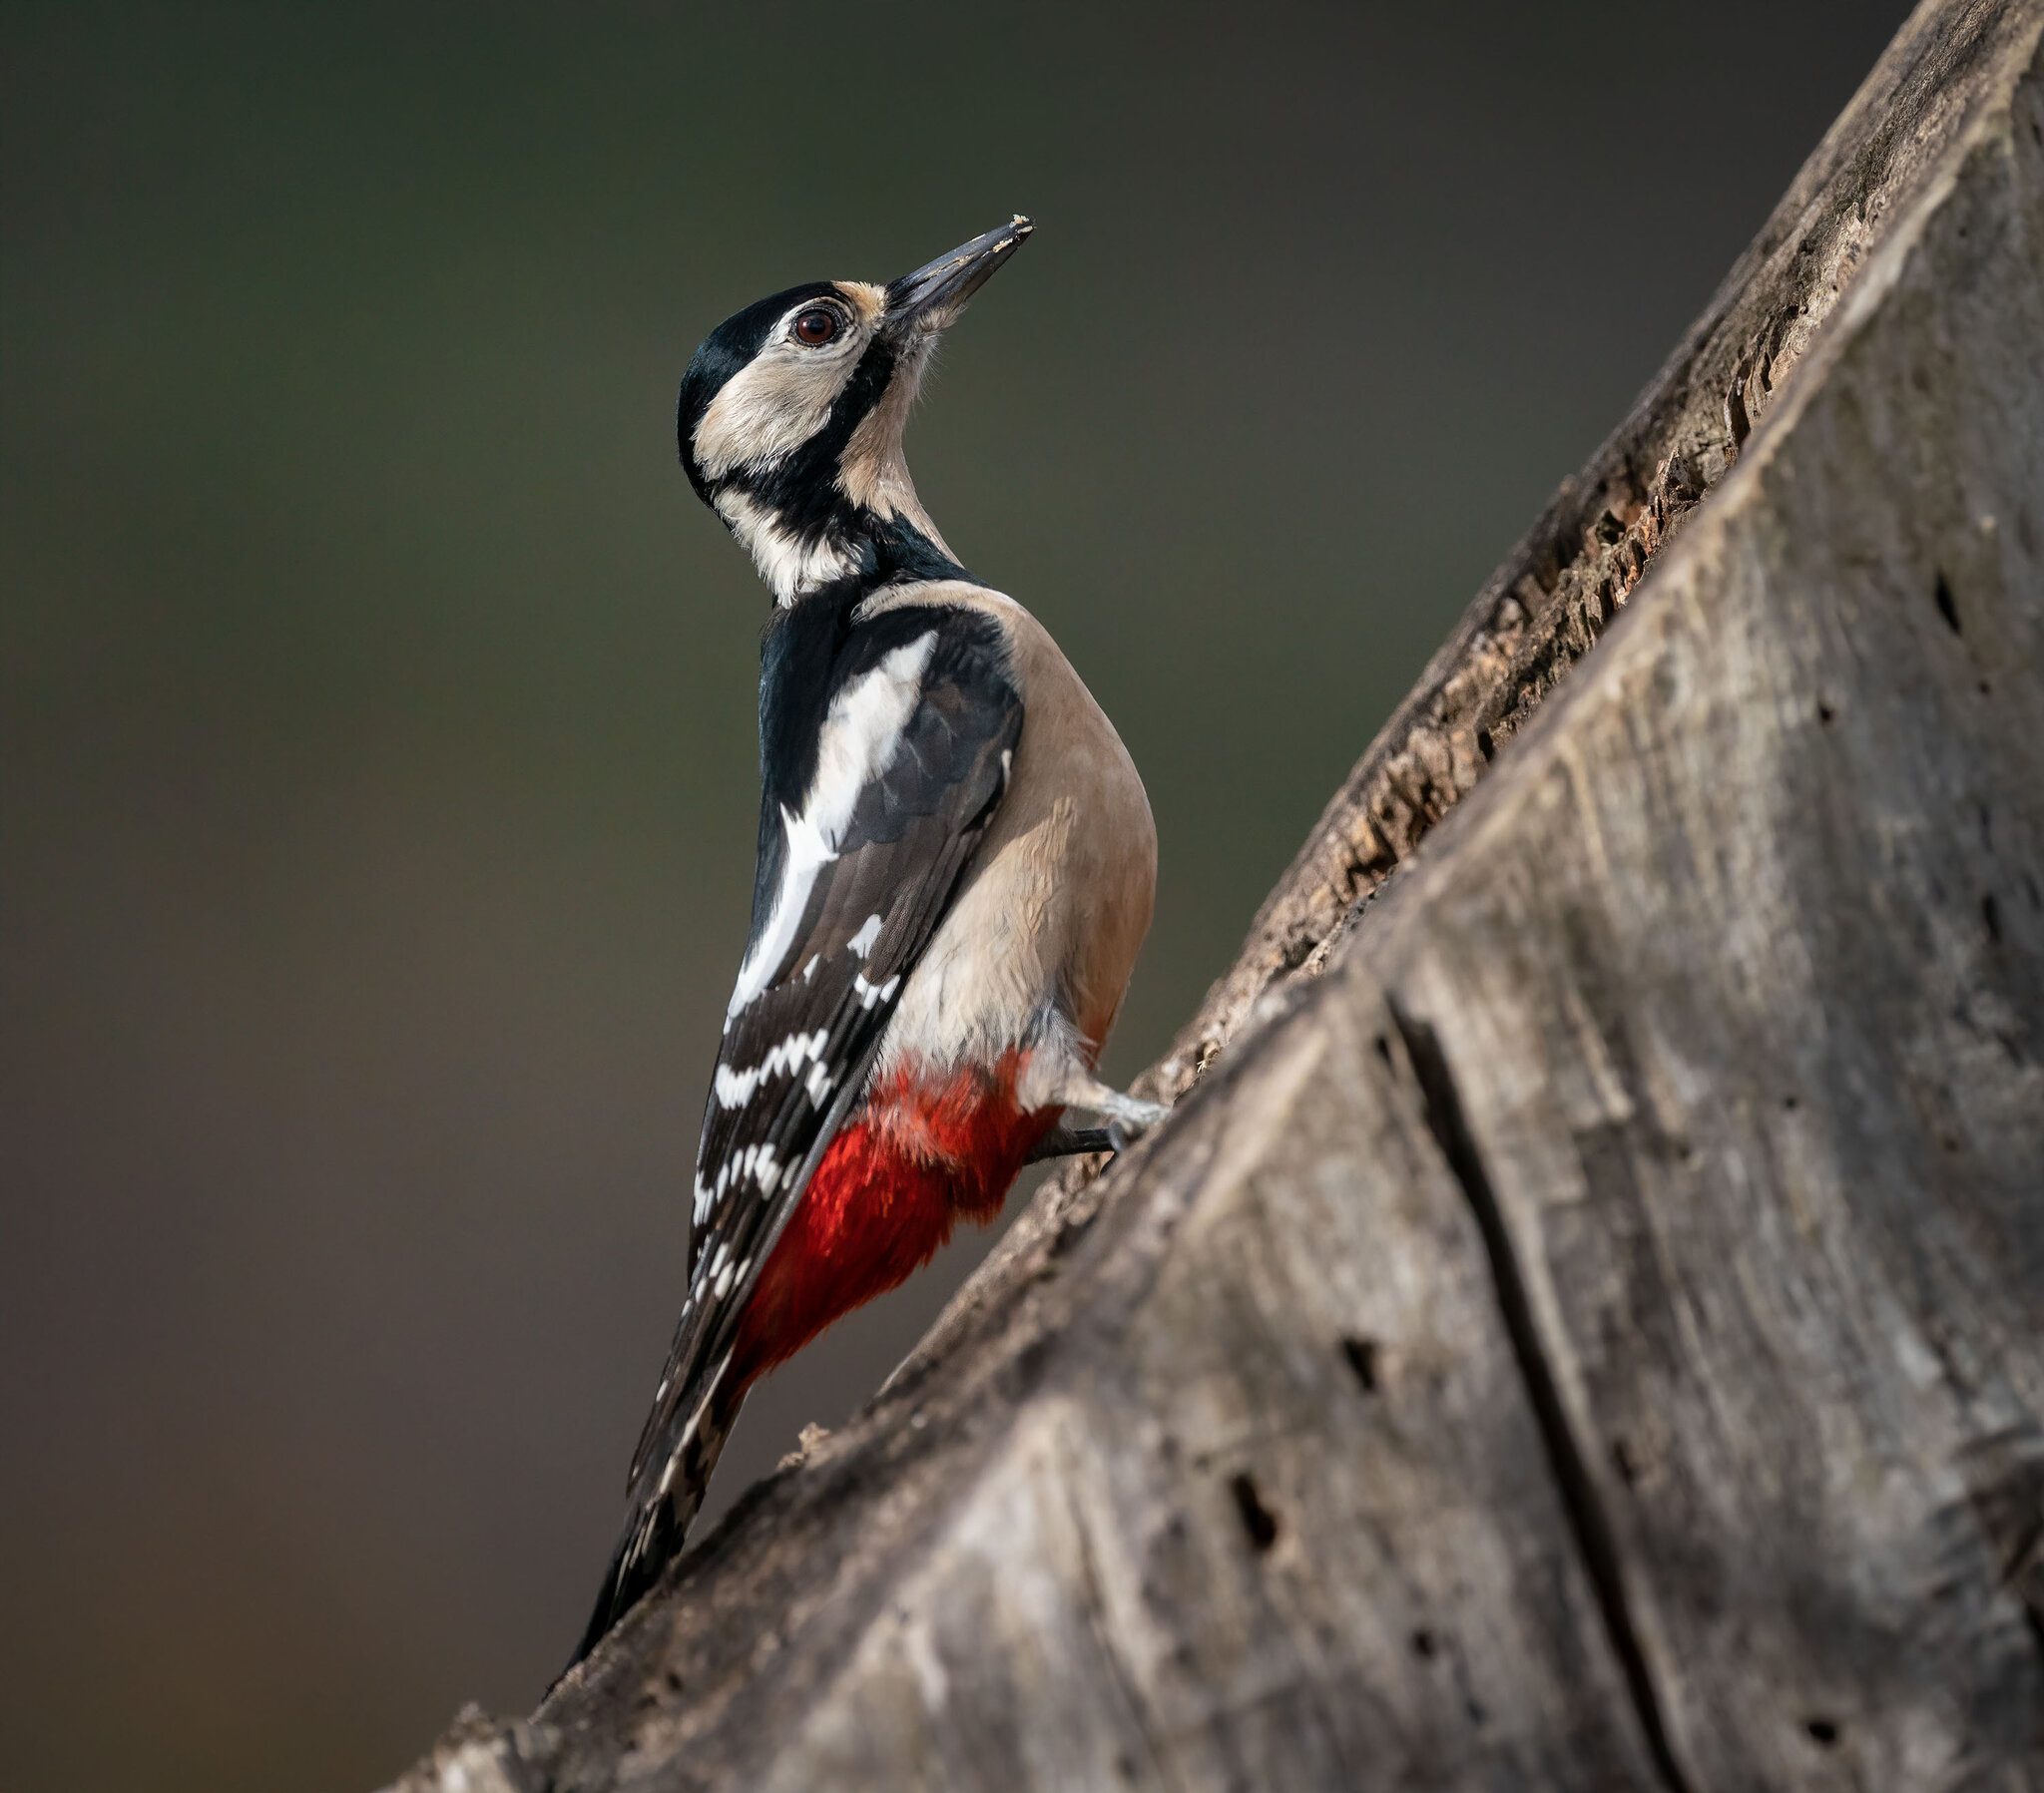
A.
x: 378, y: 783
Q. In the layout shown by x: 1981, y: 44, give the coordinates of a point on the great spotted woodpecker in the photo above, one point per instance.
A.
x: 956, y: 869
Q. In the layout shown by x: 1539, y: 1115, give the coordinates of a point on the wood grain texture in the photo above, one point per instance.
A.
x: 1585, y: 1330
x: 1740, y: 1001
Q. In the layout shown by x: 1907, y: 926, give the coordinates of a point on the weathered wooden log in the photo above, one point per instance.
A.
x: 1584, y: 1325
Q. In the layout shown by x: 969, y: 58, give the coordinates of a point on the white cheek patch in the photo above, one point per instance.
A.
x: 860, y: 737
x: 770, y: 407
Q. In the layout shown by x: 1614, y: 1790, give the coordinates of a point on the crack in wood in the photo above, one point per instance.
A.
x: 1589, y: 1527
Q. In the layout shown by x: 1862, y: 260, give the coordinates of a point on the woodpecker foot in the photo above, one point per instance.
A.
x: 1074, y: 1086
x: 1128, y: 1119
x: 1128, y: 1116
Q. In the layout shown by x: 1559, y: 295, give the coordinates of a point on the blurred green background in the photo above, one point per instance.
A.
x: 378, y: 783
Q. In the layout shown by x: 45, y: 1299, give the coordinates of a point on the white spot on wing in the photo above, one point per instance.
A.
x: 862, y: 943
x: 869, y: 994
x: 735, y: 1086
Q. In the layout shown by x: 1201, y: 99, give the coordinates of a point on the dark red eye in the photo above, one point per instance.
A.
x: 815, y: 326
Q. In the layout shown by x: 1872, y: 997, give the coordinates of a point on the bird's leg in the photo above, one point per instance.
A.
x: 1127, y: 1115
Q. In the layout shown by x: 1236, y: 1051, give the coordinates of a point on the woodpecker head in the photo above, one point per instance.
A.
x: 791, y: 415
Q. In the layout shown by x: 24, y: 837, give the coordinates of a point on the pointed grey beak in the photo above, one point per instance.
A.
x: 936, y: 292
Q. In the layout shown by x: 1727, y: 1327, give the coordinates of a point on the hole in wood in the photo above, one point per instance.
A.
x: 1256, y: 1520
x: 1825, y: 714
x: 1361, y: 1354
x: 1990, y: 914
x: 1946, y: 608
x: 1423, y: 1645
x: 1822, y: 1732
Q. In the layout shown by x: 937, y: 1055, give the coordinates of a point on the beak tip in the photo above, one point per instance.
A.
x: 933, y: 295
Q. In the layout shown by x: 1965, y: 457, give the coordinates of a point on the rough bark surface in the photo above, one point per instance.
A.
x: 1584, y: 1330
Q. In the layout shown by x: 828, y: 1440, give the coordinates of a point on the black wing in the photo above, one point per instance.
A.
x: 880, y: 782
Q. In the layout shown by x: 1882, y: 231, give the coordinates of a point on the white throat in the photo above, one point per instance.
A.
x: 790, y: 566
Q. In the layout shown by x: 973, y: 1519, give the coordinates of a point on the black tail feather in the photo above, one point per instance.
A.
x: 663, y: 1502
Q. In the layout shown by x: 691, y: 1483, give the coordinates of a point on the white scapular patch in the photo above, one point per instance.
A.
x: 788, y: 563
x: 862, y: 943
x: 860, y: 737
